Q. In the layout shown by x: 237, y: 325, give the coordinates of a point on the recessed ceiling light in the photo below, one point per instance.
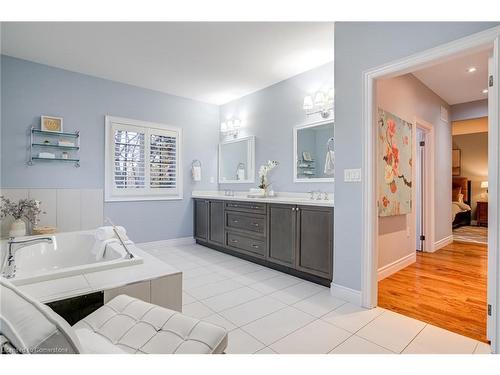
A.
x: 472, y: 69
x: 485, y: 91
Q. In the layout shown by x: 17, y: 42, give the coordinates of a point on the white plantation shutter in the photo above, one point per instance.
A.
x: 142, y: 160
x: 129, y: 167
x: 163, y: 160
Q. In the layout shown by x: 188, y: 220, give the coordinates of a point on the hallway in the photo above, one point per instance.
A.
x: 446, y: 288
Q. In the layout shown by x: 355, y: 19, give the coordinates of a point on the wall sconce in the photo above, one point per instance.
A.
x: 231, y: 127
x: 322, y: 103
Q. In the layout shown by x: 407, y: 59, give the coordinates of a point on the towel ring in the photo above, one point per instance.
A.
x: 329, y: 144
x: 196, y: 163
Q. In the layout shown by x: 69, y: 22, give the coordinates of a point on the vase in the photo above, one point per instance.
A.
x: 18, y: 228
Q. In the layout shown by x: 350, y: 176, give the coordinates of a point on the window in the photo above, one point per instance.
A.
x: 142, y: 160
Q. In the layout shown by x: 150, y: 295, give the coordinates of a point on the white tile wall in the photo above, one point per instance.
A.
x: 66, y: 209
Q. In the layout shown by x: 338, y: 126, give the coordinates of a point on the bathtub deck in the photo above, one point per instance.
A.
x: 111, y: 281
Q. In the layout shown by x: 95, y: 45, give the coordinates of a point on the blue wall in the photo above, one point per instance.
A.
x: 270, y: 115
x: 360, y: 46
x: 30, y: 90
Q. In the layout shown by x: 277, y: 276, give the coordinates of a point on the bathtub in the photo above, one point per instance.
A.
x: 69, y: 254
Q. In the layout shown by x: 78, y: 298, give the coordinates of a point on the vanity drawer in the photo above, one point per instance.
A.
x: 248, y: 244
x: 246, y: 207
x: 246, y: 222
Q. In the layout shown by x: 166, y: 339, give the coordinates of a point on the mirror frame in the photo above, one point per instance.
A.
x: 295, y: 156
x: 251, y: 158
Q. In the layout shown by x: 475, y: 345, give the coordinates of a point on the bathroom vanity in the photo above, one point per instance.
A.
x: 287, y: 234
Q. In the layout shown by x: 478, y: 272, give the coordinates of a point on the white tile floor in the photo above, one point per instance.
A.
x: 267, y: 312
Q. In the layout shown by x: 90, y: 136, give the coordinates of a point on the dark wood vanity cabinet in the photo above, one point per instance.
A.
x: 315, y: 240
x: 297, y: 239
x: 282, y: 233
x: 216, y: 222
x: 201, y: 219
x: 209, y: 221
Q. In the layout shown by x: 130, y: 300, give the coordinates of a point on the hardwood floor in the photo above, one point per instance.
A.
x: 446, y: 289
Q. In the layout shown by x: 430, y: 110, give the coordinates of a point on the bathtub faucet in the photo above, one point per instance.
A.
x: 9, y: 266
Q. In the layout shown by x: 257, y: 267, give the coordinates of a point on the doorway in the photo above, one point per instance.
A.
x: 485, y: 40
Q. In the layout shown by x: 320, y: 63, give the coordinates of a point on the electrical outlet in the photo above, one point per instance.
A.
x: 352, y: 175
x: 212, y: 180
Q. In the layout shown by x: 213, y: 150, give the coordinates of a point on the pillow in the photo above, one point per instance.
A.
x: 454, y: 193
x: 460, y: 198
x: 32, y: 327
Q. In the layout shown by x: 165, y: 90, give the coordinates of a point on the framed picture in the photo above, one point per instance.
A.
x: 394, y: 165
x: 456, y: 162
x: 306, y: 156
x: 51, y: 124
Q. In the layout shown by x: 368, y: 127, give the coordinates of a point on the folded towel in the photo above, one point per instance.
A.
x: 99, y: 248
x: 330, y: 163
x: 196, y: 171
x: 106, y: 233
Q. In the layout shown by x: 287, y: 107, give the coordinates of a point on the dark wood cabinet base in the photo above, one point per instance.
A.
x: 266, y: 263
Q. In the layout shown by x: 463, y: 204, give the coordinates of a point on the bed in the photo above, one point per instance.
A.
x: 460, y: 202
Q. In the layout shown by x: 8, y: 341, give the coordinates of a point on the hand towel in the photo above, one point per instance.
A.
x: 241, y: 174
x: 106, y: 233
x: 196, y: 171
x: 330, y: 163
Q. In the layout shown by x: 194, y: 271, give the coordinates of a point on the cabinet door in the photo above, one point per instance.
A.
x: 315, y: 240
x: 201, y: 219
x: 282, y: 233
x: 216, y: 222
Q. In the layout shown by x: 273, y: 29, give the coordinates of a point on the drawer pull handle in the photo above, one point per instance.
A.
x: 255, y: 246
x: 235, y: 221
x: 255, y: 207
x: 256, y: 224
x: 234, y: 241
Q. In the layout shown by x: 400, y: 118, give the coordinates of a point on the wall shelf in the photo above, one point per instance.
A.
x: 37, y: 143
x: 55, y: 146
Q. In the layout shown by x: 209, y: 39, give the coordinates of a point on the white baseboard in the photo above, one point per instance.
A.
x: 443, y: 242
x: 165, y: 243
x: 396, y: 266
x: 347, y: 294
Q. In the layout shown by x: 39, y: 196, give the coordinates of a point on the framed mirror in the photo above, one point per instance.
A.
x: 237, y: 161
x: 314, y: 154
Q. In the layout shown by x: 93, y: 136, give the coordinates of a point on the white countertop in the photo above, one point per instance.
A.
x: 284, y: 198
x: 77, y: 285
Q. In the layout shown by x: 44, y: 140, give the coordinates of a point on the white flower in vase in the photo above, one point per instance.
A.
x: 264, y: 171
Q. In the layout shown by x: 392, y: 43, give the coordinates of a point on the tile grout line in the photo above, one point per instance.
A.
x: 419, y: 332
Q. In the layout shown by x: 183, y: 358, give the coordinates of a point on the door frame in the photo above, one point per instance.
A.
x: 428, y: 202
x: 475, y: 42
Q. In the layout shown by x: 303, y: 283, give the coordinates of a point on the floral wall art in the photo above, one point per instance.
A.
x: 394, y: 164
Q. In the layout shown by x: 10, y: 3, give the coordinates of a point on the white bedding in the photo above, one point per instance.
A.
x: 457, y: 207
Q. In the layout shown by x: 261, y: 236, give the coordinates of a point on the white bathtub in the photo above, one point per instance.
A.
x: 69, y: 254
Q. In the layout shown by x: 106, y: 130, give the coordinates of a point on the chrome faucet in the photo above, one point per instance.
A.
x: 9, y: 264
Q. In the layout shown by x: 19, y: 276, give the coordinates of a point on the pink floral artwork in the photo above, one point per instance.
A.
x: 394, y: 164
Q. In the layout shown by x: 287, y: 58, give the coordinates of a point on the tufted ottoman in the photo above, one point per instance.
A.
x: 129, y: 325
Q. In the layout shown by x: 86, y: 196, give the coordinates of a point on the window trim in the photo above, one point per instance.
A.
x: 109, y: 194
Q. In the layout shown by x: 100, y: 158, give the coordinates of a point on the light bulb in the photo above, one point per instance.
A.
x: 308, y: 103
x: 223, y: 127
x: 320, y: 99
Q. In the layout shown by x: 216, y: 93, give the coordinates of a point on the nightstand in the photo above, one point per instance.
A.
x: 482, y: 213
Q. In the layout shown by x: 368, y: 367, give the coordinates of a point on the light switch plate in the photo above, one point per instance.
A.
x: 352, y: 175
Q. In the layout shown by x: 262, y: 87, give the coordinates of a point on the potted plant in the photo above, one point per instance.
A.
x: 28, y: 209
x: 263, y: 172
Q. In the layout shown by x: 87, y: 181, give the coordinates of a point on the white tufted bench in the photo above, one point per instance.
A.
x: 123, y: 325
x: 129, y: 325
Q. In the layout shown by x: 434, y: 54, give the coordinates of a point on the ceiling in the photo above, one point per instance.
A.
x: 453, y: 83
x: 211, y: 62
